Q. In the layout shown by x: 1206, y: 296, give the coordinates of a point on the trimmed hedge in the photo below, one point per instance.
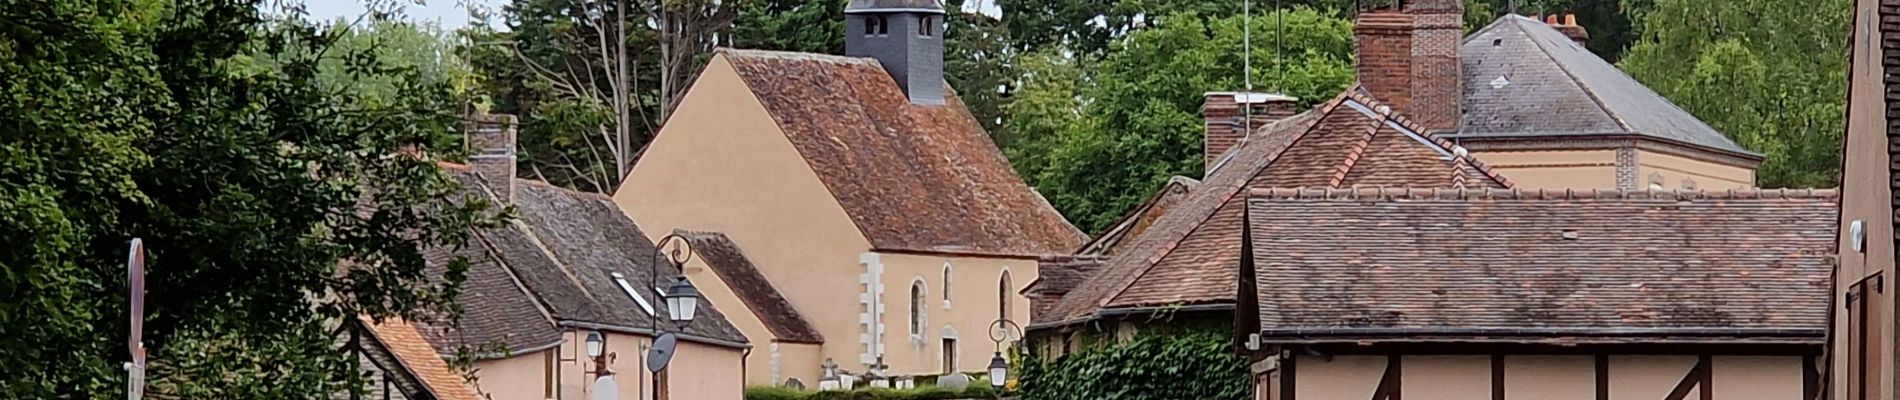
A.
x: 1193, y: 364
x: 922, y: 393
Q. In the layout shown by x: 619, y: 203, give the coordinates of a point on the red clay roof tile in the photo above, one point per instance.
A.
x: 913, y: 177
x: 1191, y: 255
x: 1372, y: 264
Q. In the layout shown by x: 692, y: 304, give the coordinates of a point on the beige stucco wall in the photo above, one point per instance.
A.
x: 697, y: 371
x: 1538, y: 377
x: 1550, y: 377
x: 1445, y: 377
x: 1343, y: 377
x: 1866, y: 192
x: 1707, y: 175
x: 721, y: 164
x: 1555, y: 169
x: 522, y: 377
x: 702, y: 371
x: 759, y: 364
x: 1653, y: 377
x: 1763, y: 378
x: 797, y: 360
x: 974, y: 285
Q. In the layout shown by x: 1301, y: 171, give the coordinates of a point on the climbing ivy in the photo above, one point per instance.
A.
x: 1199, y: 364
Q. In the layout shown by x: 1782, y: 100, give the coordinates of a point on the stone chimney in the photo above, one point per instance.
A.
x: 1226, y: 124
x: 1408, y: 59
x: 491, y: 151
x: 906, y: 37
x: 1570, y: 29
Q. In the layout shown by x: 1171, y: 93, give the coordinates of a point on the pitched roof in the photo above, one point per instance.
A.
x: 420, y: 359
x: 1056, y: 276
x: 495, y: 310
x: 912, y: 177
x: 1401, y: 264
x: 564, y: 248
x: 758, y: 294
x: 1191, y: 255
x: 1524, y: 78
x: 1138, y: 220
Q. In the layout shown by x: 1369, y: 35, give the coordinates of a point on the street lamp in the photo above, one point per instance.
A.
x: 595, y: 344
x: 682, y: 301
x: 597, y: 351
x: 999, y: 370
x: 1001, y: 331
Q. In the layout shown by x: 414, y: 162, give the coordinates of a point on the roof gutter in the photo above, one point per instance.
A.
x: 1132, y: 311
x: 1123, y: 312
x: 512, y: 353
x: 959, y: 253
x: 1757, y: 157
x: 1304, y: 333
x: 649, y: 332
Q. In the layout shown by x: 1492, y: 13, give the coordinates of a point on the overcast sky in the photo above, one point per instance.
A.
x: 451, y: 14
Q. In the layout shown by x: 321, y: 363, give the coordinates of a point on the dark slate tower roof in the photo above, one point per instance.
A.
x: 906, y: 37
x: 1523, y: 78
x: 925, y: 6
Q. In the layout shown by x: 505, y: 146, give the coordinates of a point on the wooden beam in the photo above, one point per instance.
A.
x: 1389, y: 384
x: 1497, y: 377
x: 1699, y: 376
x: 1603, y: 376
x: 1810, y: 379
x: 1706, y: 367
x: 1288, y: 366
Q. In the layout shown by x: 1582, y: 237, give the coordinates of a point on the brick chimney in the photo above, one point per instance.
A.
x: 1570, y: 29
x: 1408, y: 58
x: 1225, y: 120
x: 491, y: 152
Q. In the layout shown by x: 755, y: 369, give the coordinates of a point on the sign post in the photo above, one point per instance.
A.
x: 135, y: 275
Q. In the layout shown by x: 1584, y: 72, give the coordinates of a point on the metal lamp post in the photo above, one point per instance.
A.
x: 1001, y: 331
x: 682, y: 303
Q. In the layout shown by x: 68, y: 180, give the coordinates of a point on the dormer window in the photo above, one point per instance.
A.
x: 925, y: 27
x: 876, y: 26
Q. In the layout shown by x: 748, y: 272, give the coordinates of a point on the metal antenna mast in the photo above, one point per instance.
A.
x: 1246, y: 38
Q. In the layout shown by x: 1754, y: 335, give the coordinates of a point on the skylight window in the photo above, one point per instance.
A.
x: 635, y: 294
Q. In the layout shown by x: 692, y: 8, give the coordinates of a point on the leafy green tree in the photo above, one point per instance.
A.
x: 1769, y: 73
x: 1045, y: 106
x: 978, y: 64
x: 252, y: 183
x: 1140, y: 120
x: 811, y: 26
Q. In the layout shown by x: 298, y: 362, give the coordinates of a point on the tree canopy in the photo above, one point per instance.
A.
x: 1772, y: 74
x: 273, y: 204
x: 1135, y: 119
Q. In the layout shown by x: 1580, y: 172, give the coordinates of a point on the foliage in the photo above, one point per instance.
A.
x: 977, y: 63
x: 1139, y: 122
x: 1088, y: 28
x: 557, y: 69
x: 810, y: 26
x: 424, y: 47
x: 1769, y: 73
x: 250, y: 182
x: 975, y: 391
x: 1199, y: 364
x: 1608, y: 21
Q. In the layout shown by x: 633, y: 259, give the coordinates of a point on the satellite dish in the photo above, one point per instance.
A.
x: 662, y: 352
x: 605, y: 389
